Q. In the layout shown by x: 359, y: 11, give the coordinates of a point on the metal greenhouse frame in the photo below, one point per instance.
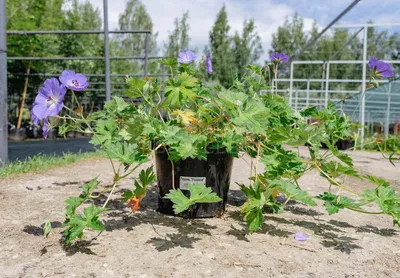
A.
x: 107, y: 75
x: 296, y: 94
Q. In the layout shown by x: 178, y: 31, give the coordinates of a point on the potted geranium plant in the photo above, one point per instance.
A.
x: 194, y: 131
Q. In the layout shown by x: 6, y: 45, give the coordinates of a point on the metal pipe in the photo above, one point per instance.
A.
x: 146, y: 55
x: 68, y: 32
x: 291, y: 83
x: 345, y: 11
x: 388, y: 111
x: 106, y: 51
x: 365, y: 25
x: 3, y: 86
x: 308, y: 94
x: 88, y: 75
x: 342, y: 62
x: 327, y: 84
x: 363, y: 85
x: 79, y: 58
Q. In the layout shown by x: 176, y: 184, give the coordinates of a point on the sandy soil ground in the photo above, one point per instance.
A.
x: 149, y: 244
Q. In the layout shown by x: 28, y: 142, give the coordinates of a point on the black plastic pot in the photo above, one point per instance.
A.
x: 52, y: 134
x: 71, y: 134
x: 215, y: 172
x: 345, y: 144
x: 17, y: 134
x: 34, y: 131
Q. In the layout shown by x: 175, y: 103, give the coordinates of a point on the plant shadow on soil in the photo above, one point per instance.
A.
x: 331, y: 232
x: 187, y: 230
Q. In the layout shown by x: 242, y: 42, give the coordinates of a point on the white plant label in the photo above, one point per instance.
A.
x: 185, y: 181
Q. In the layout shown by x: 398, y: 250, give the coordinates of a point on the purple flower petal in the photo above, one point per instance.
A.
x: 372, y: 62
x: 186, y: 57
x: 48, y: 102
x: 208, y: 65
x: 279, y: 57
x: 45, y: 128
x: 74, y: 81
x: 380, y: 68
x: 300, y: 237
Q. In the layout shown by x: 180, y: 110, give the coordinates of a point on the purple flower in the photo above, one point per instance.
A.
x: 279, y: 57
x: 208, y: 65
x: 35, y: 119
x: 300, y: 237
x: 380, y: 68
x: 45, y: 128
x: 186, y: 57
x: 74, y: 81
x: 48, y: 102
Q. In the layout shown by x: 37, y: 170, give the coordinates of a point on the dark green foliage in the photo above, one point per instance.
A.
x: 199, y: 193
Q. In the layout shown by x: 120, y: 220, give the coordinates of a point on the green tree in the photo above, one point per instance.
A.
x: 247, y: 47
x: 220, y: 48
x: 134, y: 17
x: 179, y: 38
x: 30, y: 15
x: 291, y: 37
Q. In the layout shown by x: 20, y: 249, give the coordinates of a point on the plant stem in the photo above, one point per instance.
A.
x: 364, y: 211
x: 21, y: 110
x: 109, y: 196
x: 172, y: 168
x: 335, y: 182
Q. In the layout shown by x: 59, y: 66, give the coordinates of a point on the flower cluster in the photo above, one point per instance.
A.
x: 49, y: 101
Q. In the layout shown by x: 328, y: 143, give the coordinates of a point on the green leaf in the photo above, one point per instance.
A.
x: 106, y: 131
x: 198, y: 194
x: 147, y: 176
x: 169, y: 62
x: 377, y: 181
x: 135, y: 87
x: 47, y: 228
x: 116, y: 106
x: 77, y: 223
x: 308, y: 111
x: 254, y: 219
x: 178, y: 91
x: 333, y: 203
x: 385, y: 197
x: 392, y: 158
x: 73, y: 203
x: 89, y: 188
x: 126, y: 153
x: 293, y: 192
x: 335, y: 169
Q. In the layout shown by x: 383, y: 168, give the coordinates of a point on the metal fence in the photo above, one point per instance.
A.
x: 106, y: 58
x: 301, y: 95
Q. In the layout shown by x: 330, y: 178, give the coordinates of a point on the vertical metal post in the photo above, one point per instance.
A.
x: 146, y: 55
x: 308, y: 93
x: 3, y: 86
x: 291, y: 83
x: 363, y: 86
x: 106, y: 51
x: 387, y: 122
x: 322, y: 83
x: 296, y: 100
x: 327, y: 85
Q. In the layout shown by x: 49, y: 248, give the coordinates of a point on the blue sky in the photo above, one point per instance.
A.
x: 268, y: 14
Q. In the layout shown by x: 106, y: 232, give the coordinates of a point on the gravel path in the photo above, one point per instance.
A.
x: 149, y: 244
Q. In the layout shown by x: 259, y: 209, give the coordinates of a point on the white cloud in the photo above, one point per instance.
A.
x: 268, y: 15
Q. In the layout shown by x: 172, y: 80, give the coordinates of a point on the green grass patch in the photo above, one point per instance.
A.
x: 41, y: 163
